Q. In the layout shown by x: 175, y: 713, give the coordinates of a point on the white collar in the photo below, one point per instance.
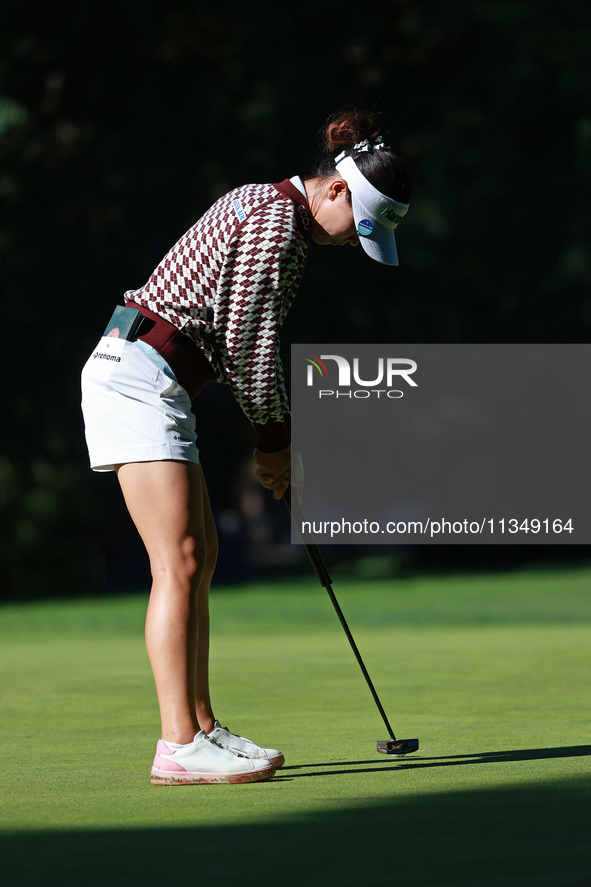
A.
x: 297, y: 182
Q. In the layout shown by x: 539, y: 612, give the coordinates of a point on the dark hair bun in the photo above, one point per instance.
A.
x: 385, y: 170
x: 347, y: 128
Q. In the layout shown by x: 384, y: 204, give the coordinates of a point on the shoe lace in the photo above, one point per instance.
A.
x: 229, y: 732
x: 215, y: 741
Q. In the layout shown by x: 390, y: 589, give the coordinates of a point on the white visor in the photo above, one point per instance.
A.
x: 376, y: 216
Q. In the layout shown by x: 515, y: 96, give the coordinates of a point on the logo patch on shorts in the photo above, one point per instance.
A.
x: 102, y: 356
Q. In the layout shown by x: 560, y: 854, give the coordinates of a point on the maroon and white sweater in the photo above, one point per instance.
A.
x: 227, y: 285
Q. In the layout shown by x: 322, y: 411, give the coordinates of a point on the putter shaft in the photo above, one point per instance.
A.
x: 326, y: 582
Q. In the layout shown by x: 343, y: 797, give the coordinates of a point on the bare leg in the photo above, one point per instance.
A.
x: 169, y: 505
x: 203, y: 707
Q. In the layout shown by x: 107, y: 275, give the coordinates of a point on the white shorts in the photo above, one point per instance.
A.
x: 134, y: 408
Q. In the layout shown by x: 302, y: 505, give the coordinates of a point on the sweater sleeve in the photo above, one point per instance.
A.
x: 256, y: 288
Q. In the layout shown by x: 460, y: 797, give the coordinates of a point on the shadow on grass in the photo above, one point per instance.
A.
x: 417, y: 763
x: 522, y: 836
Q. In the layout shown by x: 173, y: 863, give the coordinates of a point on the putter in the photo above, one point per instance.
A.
x: 390, y: 746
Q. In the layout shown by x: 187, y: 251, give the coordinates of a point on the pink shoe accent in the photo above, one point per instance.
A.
x: 160, y: 777
x: 277, y: 760
x: 164, y: 763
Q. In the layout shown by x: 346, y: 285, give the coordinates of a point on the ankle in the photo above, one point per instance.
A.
x: 206, y: 723
x: 181, y: 734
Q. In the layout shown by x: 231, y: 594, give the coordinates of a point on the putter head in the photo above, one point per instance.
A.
x: 397, y: 746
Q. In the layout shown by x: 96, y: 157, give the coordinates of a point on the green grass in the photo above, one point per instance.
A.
x: 491, y: 673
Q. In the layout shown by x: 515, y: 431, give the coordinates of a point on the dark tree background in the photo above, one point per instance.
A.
x: 120, y: 122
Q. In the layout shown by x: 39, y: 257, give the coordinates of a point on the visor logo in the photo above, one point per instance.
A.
x: 365, y: 227
x: 392, y: 216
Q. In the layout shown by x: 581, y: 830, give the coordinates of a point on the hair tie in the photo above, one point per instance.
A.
x: 360, y: 147
x: 366, y: 146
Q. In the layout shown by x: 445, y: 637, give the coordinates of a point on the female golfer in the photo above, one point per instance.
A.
x: 211, y: 312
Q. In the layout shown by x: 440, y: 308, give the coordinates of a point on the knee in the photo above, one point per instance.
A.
x: 199, y: 558
x: 179, y: 563
x: 210, y: 556
x: 189, y: 561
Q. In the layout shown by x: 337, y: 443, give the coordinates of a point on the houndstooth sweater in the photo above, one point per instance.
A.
x: 228, y: 284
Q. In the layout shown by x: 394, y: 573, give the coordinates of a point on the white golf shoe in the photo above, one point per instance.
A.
x: 238, y: 745
x: 204, y: 761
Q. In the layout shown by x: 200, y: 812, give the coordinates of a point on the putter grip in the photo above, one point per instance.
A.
x: 311, y: 548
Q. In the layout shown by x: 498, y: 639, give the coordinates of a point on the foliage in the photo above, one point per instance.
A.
x: 121, y: 122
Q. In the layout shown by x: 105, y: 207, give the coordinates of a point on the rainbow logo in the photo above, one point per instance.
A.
x: 313, y: 361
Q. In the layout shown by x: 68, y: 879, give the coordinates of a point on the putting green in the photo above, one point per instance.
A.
x: 491, y: 673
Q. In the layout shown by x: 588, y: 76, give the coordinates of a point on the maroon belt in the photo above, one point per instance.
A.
x: 194, y: 371
x: 184, y: 357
